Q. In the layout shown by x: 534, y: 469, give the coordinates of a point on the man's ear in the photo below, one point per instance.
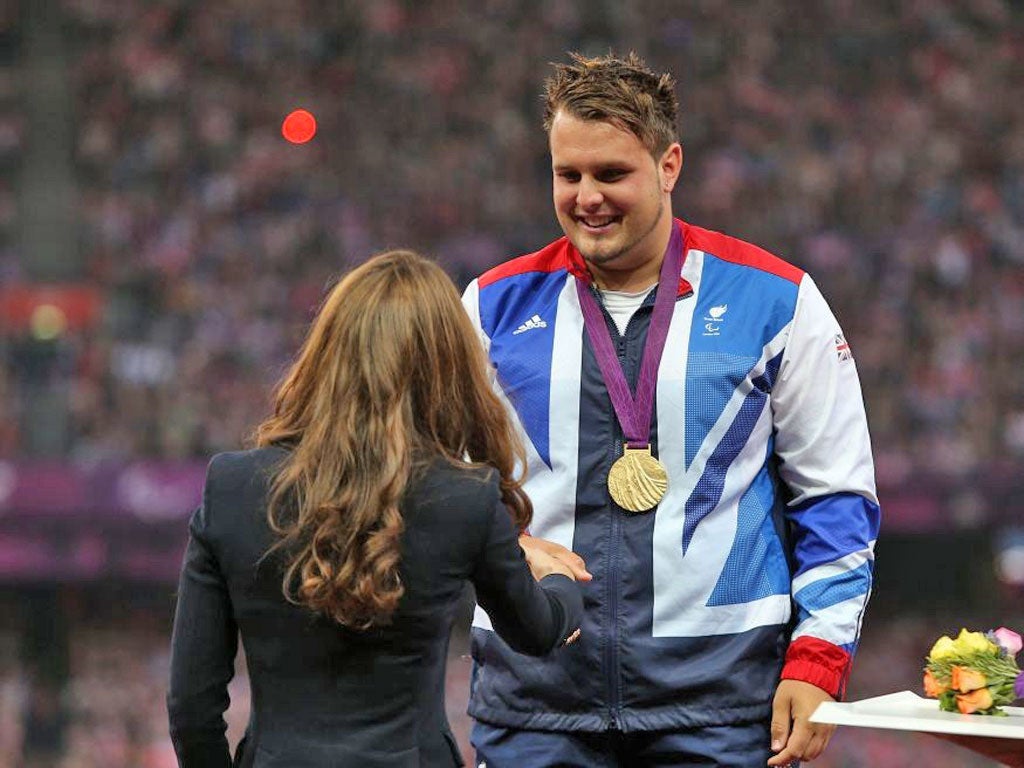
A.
x: 670, y: 166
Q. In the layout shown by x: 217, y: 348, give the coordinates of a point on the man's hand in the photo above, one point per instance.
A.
x: 539, y: 550
x: 794, y: 736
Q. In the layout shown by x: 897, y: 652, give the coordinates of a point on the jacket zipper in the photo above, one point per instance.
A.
x: 615, y: 532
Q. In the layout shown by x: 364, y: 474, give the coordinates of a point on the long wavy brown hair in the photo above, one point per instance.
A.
x: 391, y: 376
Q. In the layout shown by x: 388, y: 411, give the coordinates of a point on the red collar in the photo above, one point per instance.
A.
x: 578, y: 268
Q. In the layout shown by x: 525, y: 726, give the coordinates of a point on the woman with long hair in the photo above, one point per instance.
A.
x: 338, y: 548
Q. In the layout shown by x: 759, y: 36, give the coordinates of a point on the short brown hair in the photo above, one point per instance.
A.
x: 624, y: 92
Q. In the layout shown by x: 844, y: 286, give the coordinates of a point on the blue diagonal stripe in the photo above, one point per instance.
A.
x: 821, y: 594
x: 708, y: 491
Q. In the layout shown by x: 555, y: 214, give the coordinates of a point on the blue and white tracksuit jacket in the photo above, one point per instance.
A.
x: 758, y: 561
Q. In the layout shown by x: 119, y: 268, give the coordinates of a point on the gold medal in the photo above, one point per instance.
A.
x: 637, y: 481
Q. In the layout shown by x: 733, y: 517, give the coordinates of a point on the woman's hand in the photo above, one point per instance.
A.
x: 542, y: 564
x: 546, y: 557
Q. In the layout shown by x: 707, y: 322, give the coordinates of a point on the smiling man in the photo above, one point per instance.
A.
x: 697, y: 443
x: 611, y: 198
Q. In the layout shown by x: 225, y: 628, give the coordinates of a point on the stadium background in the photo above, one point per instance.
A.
x: 162, y: 247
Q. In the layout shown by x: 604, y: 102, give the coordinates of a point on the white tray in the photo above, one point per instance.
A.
x: 906, y: 711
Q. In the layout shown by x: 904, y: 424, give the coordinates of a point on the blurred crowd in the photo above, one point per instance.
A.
x: 878, y: 145
x: 110, y: 712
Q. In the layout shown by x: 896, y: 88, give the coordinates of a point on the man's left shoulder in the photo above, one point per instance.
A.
x: 736, y: 251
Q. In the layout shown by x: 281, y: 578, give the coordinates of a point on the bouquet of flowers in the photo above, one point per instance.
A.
x: 975, y: 674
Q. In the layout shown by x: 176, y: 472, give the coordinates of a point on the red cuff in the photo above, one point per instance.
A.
x: 819, y: 663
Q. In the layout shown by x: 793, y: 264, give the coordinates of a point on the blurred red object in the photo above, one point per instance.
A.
x: 299, y: 127
x: 81, y: 305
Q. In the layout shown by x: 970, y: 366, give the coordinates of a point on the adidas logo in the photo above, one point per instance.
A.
x: 529, y: 325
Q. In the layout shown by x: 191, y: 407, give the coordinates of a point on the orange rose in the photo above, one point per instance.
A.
x: 975, y: 701
x: 932, y: 687
x: 965, y: 679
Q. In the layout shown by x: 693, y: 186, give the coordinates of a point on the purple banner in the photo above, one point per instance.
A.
x: 61, y: 522
x: 152, y: 492
x: 147, y: 491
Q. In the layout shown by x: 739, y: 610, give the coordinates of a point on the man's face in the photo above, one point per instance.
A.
x: 610, y: 195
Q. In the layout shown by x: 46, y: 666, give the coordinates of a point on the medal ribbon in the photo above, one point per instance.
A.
x: 635, y: 414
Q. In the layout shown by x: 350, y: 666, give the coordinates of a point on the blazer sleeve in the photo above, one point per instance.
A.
x: 532, y: 617
x: 203, y: 648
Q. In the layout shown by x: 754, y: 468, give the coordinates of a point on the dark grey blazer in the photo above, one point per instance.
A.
x: 323, y: 695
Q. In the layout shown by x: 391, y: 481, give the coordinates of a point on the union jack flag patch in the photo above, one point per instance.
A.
x: 843, y: 348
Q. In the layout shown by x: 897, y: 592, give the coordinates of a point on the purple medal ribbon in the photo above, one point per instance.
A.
x: 635, y: 414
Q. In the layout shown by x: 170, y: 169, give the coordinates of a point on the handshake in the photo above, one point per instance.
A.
x: 546, y: 557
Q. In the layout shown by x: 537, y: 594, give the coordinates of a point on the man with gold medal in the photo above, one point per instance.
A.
x: 698, y: 449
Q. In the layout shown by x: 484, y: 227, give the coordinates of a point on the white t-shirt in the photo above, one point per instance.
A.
x: 621, y: 305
